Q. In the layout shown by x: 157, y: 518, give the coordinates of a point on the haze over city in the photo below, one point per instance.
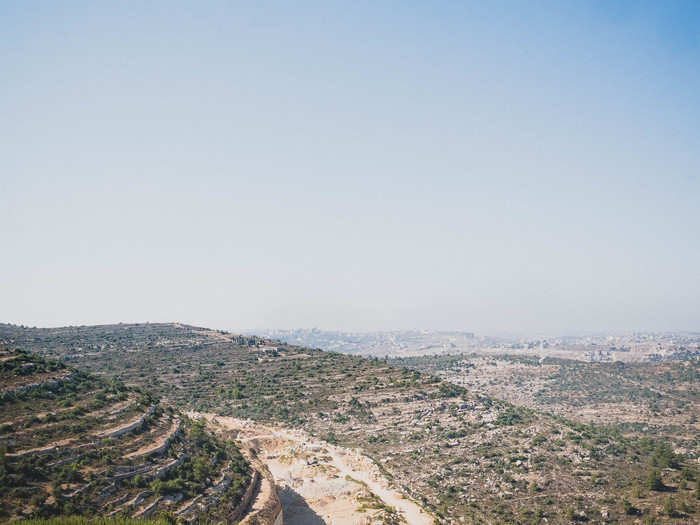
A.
x: 490, y: 167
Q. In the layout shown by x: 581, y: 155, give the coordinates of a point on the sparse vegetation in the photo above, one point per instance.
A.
x: 461, y: 453
x: 75, y: 444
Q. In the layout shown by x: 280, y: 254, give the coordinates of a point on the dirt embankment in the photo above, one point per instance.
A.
x: 322, y: 484
x: 260, y: 504
x: 266, y: 508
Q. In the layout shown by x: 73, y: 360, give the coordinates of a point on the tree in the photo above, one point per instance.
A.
x: 664, y: 457
x: 669, y: 507
x: 687, y: 474
x: 200, y: 469
x: 654, y: 481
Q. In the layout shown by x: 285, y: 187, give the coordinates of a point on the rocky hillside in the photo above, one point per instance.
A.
x: 465, y: 457
x: 75, y: 444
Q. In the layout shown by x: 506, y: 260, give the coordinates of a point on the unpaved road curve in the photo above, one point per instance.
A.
x: 347, y: 463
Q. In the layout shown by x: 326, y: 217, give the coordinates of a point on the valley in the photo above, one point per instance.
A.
x: 323, y: 483
x: 467, y: 439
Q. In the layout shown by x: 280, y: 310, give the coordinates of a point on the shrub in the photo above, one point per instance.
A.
x: 669, y: 507
x: 687, y: 474
x: 70, y: 474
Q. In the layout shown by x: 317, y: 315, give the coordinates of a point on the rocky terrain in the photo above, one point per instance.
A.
x: 464, y: 455
x: 639, y: 399
x: 72, y: 443
x: 323, y: 483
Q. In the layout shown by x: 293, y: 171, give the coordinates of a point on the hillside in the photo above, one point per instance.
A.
x: 75, y: 444
x: 466, y: 456
x: 652, y: 399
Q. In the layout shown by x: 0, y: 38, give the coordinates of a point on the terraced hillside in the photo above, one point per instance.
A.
x: 639, y: 399
x: 74, y: 444
x: 467, y: 457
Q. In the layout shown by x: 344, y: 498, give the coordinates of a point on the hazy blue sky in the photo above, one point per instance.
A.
x: 490, y: 166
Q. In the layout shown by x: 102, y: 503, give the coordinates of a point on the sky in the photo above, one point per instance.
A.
x: 496, y: 167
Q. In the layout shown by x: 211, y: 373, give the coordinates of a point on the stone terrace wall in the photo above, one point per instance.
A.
x: 266, y: 509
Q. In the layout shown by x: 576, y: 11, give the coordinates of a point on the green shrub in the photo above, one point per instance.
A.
x: 654, y: 481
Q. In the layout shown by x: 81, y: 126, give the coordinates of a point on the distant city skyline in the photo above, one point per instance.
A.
x: 499, y: 168
x: 504, y: 334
